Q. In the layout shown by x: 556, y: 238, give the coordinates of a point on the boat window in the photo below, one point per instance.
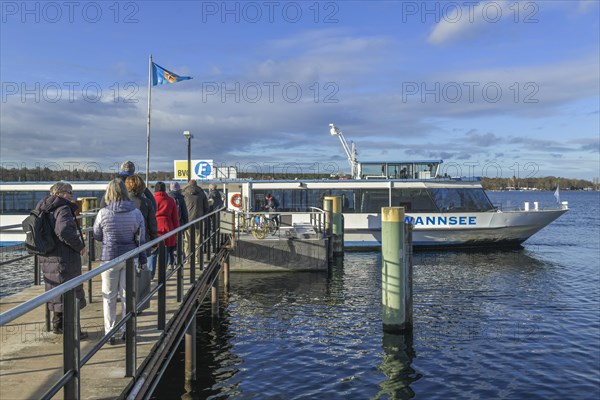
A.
x: 17, y: 202
x: 393, y: 171
x: 290, y: 200
x: 461, y: 199
x: 405, y: 171
x: 372, y: 200
x: 424, y: 171
x: 373, y: 170
x: 415, y: 200
x: 23, y: 201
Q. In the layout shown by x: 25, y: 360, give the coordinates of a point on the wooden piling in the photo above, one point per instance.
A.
x: 328, y: 207
x: 337, y: 224
x: 190, y: 355
x: 396, y: 271
x: 215, y: 297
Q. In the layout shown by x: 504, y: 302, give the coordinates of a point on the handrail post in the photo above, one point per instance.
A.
x: 36, y: 270
x: 200, y: 244
x: 162, y: 290
x: 209, y: 228
x: 48, y: 327
x: 130, y: 310
x: 218, y: 241
x: 193, y: 246
x: 91, y: 256
x: 179, y: 267
x: 71, y: 344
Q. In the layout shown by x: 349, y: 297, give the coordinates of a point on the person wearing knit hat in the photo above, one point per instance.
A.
x: 176, y: 194
x: 127, y: 168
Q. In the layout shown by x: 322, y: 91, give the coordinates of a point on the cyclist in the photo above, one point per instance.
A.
x: 271, y: 206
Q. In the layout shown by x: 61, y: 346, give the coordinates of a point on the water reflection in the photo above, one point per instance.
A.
x: 503, y: 259
x: 319, y: 335
x: 398, y: 354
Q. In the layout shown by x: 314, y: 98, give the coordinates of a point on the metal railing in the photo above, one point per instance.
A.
x: 280, y: 224
x: 210, y: 239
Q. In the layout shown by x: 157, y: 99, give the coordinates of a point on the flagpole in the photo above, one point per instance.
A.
x: 148, y: 127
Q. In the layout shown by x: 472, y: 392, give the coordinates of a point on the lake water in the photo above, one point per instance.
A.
x: 487, y: 325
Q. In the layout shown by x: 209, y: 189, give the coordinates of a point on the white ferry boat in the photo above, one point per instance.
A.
x: 444, y: 212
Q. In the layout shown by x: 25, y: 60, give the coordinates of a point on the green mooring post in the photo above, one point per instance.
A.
x: 337, y: 224
x: 327, y: 207
x: 396, y: 271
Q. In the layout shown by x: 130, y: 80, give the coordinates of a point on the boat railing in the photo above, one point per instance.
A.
x: 281, y: 224
x: 528, y: 206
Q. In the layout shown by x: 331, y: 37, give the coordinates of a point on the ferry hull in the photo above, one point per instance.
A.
x: 493, y: 229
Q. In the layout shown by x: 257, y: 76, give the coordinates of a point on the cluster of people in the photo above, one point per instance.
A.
x: 130, y: 216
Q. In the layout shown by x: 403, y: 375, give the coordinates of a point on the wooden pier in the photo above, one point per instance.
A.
x: 31, y: 358
x: 36, y: 363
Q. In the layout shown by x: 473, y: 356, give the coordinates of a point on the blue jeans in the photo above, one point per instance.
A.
x: 153, y: 257
x: 152, y: 262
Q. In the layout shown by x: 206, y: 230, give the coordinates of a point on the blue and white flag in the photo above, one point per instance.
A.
x: 557, y: 194
x: 161, y: 75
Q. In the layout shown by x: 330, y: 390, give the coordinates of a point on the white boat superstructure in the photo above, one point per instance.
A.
x: 443, y: 211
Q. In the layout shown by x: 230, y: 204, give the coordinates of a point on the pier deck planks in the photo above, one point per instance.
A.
x: 31, y: 357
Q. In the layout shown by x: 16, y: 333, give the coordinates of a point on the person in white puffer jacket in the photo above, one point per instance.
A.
x: 120, y: 227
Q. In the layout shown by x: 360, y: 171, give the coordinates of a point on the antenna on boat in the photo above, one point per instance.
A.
x: 334, y: 131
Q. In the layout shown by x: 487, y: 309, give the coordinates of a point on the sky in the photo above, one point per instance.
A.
x: 494, y: 88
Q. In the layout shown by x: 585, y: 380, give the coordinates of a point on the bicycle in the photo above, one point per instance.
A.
x: 261, y: 226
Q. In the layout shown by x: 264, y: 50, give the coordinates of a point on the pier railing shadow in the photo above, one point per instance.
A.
x: 212, y: 243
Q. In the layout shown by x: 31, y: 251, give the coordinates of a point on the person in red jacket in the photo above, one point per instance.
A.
x: 167, y: 220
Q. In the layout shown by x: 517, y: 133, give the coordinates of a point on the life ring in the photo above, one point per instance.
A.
x: 236, y: 200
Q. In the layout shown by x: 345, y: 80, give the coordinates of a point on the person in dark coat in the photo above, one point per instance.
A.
x: 272, y: 206
x: 64, y: 262
x: 215, y: 199
x: 215, y: 202
x: 136, y: 187
x: 197, y: 206
x: 176, y: 195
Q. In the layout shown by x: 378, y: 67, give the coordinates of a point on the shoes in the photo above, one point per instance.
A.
x: 59, y: 331
x: 113, y: 340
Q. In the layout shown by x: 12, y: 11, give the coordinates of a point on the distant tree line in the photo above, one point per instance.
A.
x: 543, y: 183
x: 74, y: 175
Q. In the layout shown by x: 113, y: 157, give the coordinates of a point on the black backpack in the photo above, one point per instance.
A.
x: 40, y: 238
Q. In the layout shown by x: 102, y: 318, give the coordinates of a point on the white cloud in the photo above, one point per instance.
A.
x: 468, y: 20
x: 584, y: 6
